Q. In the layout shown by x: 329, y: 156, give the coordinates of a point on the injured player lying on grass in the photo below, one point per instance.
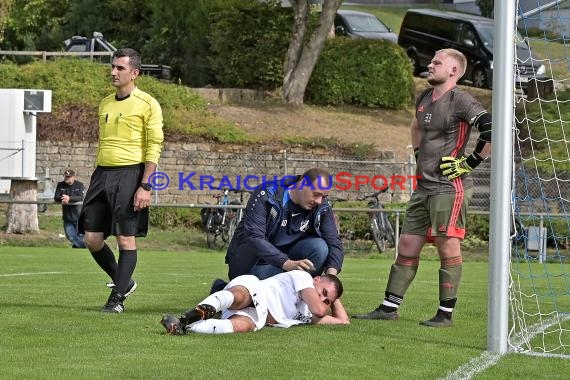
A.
x: 247, y: 304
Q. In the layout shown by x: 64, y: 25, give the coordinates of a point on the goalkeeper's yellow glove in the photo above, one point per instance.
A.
x: 453, y: 167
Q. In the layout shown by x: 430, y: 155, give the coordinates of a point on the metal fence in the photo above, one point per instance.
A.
x: 352, y: 178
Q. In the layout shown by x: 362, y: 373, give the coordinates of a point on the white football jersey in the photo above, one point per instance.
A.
x: 282, y: 293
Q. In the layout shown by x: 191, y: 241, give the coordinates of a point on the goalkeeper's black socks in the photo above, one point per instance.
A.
x: 446, y: 307
x: 391, y: 302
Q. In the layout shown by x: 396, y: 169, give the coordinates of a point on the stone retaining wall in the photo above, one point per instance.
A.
x: 216, y: 162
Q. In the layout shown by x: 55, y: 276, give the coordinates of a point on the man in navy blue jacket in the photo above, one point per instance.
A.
x: 287, y: 226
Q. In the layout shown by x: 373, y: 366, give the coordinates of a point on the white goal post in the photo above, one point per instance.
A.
x: 501, y: 169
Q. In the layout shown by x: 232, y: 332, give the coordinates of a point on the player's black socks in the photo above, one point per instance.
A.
x: 106, y: 260
x: 125, y: 269
x: 391, y: 302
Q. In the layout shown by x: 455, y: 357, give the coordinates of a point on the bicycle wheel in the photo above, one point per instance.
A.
x: 213, y: 233
x: 233, y: 224
x: 389, y: 231
x: 377, y: 235
x: 227, y: 228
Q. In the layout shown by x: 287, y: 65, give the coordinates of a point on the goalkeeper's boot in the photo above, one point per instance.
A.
x: 199, y: 313
x: 114, y: 303
x: 172, y: 325
x: 440, y: 320
x: 378, y: 313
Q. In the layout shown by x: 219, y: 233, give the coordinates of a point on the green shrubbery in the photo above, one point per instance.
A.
x: 545, y: 34
x: 173, y: 217
x: 82, y: 82
x: 371, y: 73
x: 248, y: 45
x: 542, y: 123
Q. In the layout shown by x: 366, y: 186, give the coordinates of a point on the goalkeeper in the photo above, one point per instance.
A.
x: 437, y: 209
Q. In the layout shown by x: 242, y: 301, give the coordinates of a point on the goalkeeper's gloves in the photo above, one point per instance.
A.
x: 453, y: 167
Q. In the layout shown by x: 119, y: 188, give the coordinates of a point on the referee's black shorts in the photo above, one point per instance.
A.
x: 108, y: 205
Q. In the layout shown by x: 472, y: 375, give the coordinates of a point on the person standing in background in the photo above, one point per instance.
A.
x: 69, y: 192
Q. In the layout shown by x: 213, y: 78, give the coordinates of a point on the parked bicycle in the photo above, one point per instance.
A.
x: 238, y: 213
x: 380, y: 227
x: 221, y: 223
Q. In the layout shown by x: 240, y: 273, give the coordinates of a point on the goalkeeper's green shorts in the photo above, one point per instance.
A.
x: 437, y: 215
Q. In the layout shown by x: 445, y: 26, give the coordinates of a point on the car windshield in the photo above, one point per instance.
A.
x: 364, y: 23
x: 486, y: 34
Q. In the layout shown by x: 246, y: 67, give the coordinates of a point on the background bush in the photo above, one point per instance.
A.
x: 248, y: 45
x: 80, y: 83
x: 371, y: 73
x: 172, y: 217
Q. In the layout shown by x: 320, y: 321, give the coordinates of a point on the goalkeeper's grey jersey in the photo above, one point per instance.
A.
x: 445, y: 126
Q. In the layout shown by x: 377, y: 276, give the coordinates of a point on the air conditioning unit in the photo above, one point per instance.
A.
x: 37, y: 100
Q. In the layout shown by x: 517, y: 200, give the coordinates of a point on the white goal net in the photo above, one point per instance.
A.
x: 539, y: 288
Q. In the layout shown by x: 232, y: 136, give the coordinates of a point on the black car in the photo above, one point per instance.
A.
x: 361, y: 25
x: 424, y: 31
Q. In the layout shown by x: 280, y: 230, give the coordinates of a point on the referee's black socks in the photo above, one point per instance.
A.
x: 106, y: 260
x: 125, y: 269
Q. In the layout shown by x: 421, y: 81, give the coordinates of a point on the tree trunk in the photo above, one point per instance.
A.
x: 22, y: 218
x: 302, y: 58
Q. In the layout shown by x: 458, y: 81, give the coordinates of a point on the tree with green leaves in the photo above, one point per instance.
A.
x: 304, y: 50
x: 180, y: 36
x: 486, y: 7
x: 5, y: 8
x: 124, y: 23
x: 33, y: 24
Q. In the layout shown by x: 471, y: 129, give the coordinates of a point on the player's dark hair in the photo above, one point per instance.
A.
x: 311, y: 175
x: 336, y: 283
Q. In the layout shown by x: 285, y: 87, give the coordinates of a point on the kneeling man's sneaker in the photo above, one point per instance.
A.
x: 172, y: 325
x: 378, y: 314
x: 439, y: 320
x: 217, y: 285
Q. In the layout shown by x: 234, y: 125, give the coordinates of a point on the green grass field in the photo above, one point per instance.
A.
x: 52, y: 327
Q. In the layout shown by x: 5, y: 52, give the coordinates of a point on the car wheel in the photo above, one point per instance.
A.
x: 479, y: 78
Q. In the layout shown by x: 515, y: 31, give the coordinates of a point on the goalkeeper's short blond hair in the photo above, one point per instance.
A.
x: 458, y: 56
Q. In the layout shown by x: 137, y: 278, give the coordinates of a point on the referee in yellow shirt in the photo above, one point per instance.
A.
x: 116, y: 203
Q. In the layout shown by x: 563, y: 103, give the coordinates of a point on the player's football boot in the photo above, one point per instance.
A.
x: 199, y: 313
x: 172, y: 325
x: 378, y: 314
x: 440, y: 320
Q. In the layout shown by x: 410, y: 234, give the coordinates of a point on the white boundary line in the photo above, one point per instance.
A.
x: 29, y: 274
x: 488, y: 359
x: 474, y: 366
